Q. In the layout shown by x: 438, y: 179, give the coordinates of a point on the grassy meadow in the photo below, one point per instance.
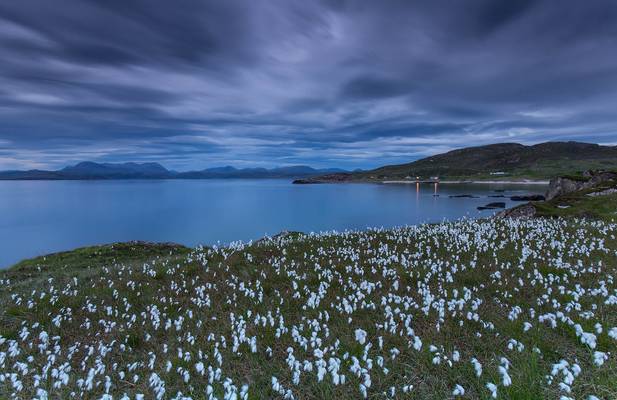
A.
x: 507, y: 309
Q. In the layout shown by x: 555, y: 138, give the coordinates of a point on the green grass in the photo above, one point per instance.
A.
x: 517, y: 162
x: 541, y: 170
x: 95, y: 256
x: 315, y: 291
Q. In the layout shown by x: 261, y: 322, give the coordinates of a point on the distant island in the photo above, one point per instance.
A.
x: 131, y: 170
x: 494, y: 162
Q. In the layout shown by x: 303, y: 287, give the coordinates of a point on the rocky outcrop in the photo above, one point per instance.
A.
x: 592, y: 183
x: 524, y: 211
x: 605, y: 192
x: 566, y: 184
x: 562, y: 185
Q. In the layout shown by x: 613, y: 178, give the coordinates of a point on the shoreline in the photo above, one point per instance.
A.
x: 474, y: 182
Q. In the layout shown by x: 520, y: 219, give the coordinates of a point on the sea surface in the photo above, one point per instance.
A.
x: 40, y: 217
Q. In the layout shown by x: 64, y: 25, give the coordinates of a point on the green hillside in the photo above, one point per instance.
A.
x: 503, y: 161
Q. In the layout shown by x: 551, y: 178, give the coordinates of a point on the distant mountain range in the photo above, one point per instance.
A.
x: 130, y: 170
x: 506, y: 161
x: 502, y: 161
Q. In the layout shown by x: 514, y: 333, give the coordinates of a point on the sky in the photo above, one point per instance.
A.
x: 353, y: 84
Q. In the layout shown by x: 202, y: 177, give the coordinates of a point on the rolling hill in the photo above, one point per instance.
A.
x: 504, y: 161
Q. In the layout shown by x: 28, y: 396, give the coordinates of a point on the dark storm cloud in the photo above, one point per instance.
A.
x: 352, y: 83
x: 371, y: 87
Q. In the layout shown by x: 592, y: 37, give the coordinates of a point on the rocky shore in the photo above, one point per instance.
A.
x: 591, y: 195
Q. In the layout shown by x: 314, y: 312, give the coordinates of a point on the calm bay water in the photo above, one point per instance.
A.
x: 40, y: 217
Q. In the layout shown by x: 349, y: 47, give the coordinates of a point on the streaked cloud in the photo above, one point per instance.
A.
x: 354, y: 84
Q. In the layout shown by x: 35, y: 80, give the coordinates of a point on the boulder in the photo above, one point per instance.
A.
x: 563, y: 185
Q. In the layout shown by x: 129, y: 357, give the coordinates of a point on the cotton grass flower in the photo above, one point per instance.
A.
x: 194, y: 324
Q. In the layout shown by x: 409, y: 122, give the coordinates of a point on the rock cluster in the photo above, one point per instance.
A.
x: 562, y: 185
